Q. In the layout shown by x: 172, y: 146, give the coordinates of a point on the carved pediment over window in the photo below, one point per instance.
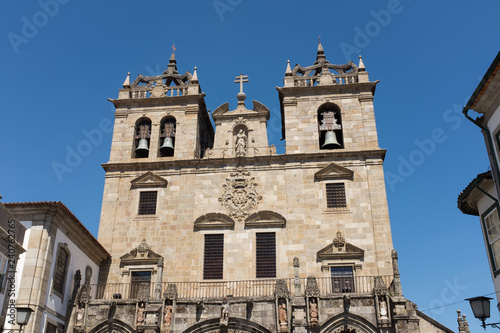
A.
x: 340, y: 249
x: 265, y: 219
x: 148, y: 180
x: 334, y: 171
x: 213, y: 221
x: 141, y: 255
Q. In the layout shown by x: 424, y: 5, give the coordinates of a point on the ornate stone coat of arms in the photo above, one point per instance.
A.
x: 240, y: 196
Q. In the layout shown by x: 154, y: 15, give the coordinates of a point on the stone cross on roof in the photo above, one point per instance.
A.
x: 240, y: 79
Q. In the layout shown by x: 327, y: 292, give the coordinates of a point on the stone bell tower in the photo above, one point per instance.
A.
x: 158, y: 120
x: 325, y: 107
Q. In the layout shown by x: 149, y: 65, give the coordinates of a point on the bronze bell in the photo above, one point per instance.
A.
x: 142, y: 146
x: 330, y: 141
x: 168, y: 146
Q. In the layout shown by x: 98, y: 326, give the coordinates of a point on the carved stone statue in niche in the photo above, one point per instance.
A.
x: 167, y: 315
x: 141, y: 308
x: 80, y: 314
x: 224, y: 313
x: 313, y: 312
x: 241, y: 143
x: 282, y: 316
x: 383, y: 309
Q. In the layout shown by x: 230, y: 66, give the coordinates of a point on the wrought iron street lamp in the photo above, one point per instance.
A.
x: 481, y: 308
x: 22, y: 318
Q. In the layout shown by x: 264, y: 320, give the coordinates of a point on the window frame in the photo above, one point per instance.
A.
x: 495, y: 267
x: 262, y: 268
x: 141, y: 204
x: 212, y: 260
x: 61, y: 247
x: 345, y: 279
x: 345, y: 207
x: 135, y: 290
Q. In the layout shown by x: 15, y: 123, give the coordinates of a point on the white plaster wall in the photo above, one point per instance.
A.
x: 78, y: 260
x: 20, y: 263
x: 482, y: 206
x: 492, y: 125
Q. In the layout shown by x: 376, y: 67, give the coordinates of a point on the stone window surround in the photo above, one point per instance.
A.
x: 491, y: 210
x: 326, y: 267
x: 345, y: 209
x: 136, y: 199
x: 65, y: 247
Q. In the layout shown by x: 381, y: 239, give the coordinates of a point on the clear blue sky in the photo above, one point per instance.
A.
x: 61, y: 63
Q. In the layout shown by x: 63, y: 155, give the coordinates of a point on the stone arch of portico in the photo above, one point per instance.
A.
x: 235, y: 324
x: 347, y: 323
x: 112, y: 326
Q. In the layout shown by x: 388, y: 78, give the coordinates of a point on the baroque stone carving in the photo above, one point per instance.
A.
x: 312, y: 289
x: 379, y: 287
x: 170, y: 291
x: 283, y: 316
x: 143, y: 292
x: 240, y: 196
x: 141, y: 309
x: 224, y: 313
x: 241, y: 144
x: 313, y: 311
x: 281, y: 290
x: 339, y: 241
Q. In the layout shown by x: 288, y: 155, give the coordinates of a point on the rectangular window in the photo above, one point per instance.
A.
x: 213, y: 257
x: 342, y: 279
x: 492, y: 228
x: 147, y: 202
x: 137, y: 280
x: 335, y: 195
x: 51, y: 328
x: 60, y: 270
x: 266, y: 255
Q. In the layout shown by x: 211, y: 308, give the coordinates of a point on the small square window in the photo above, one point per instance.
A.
x: 147, y: 202
x: 138, y: 279
x: 335, y: 195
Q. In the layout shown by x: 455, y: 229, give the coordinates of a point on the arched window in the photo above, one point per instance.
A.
x: 61, y: 269
x: 240, y: 134
x: 330, y: 127
x: 142, y: 137
x: 167, y: 136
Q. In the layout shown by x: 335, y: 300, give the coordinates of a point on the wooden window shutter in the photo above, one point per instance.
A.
x: 266, y: 255
x: 213, y: 262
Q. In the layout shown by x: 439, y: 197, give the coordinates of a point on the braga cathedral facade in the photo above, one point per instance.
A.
x: 211, y: 230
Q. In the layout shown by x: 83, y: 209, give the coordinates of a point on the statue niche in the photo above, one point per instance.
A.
x: 240, y: 134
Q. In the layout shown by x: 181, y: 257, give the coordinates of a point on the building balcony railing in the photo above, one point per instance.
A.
x: 246, y: 288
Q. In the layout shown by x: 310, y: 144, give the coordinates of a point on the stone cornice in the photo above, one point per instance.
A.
x: 194, y: 164
x: 328, y: 89
x: 142, y: 102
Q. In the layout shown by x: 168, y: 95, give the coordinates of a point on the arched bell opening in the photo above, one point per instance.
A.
x: 330, y: 127
x: 142, y: 137
x: 167, y: 137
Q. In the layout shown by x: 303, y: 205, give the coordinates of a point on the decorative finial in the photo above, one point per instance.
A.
x: 172, y: 63
x: 361, y: 65
x: 126, y: 83
x: 241, y: 95
x: 288, y: 71
x: 320, y: 56
x: 173, y: 47
x: 194, y: 78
